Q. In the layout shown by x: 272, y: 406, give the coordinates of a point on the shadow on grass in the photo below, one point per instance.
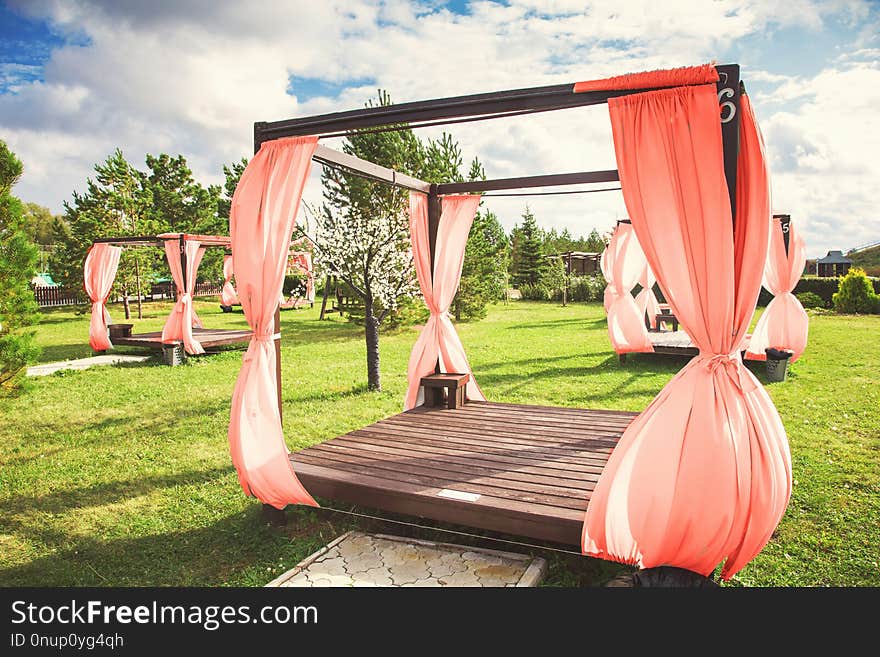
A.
x: 105, y: 493
x: 239, y: 547
x: 554, y: 323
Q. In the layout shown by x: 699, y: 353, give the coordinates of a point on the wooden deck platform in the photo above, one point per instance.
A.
x: 522, y: 470
x: 209, y: 338
x: 675, y: 343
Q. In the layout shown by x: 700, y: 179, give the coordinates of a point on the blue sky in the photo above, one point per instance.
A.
x: 79, y: 78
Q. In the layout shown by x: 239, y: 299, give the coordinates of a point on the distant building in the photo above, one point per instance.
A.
x: 43, y: 279
x: 578, y: 263
x: 833, y: 264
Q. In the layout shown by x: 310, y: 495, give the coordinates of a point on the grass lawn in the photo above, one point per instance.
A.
x: 121, y: 475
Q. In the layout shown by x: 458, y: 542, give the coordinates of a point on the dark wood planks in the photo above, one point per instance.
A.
x: 207, y: 337
x: 533, y: 468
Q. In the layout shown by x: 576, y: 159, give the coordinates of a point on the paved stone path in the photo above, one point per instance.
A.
x: 359, y: 559
x: 84, y: 363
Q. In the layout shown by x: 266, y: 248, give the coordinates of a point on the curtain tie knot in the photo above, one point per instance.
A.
x: 266, y: 337
x: 183, y: 300
x: 732, y: 364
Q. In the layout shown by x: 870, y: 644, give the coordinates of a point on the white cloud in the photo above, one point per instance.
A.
x: 193, y: 77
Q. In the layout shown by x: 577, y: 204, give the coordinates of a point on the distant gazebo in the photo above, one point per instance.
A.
x: 833, y: 264
x: 578, y: 262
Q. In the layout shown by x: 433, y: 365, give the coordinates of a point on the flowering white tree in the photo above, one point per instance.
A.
x: 371, y: 254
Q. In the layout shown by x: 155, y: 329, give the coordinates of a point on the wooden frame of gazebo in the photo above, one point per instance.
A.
x: 522, y: 470
x: 208, y: 338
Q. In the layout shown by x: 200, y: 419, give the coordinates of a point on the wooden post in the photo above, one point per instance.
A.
x: 435, y: 208
x: 326, y: 295
x: 729, y: 92
x: 182, y: 247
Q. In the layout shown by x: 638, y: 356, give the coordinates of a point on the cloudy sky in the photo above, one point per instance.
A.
x: 80, y: 77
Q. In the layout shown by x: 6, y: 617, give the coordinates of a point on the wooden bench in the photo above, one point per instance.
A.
x: 454, y: 385
x: 667, y: 316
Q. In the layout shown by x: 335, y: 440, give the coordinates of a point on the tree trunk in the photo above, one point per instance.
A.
x: 125, y: 304
x: 137, y: 278
x: 457, y: 310
x: 371, y: 333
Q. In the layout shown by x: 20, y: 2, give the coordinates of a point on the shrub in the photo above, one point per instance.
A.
x: 294, y: 284
x: 810, y: 300
x: 855, y: 294
x: 586, y: 288
x: 534, y: 292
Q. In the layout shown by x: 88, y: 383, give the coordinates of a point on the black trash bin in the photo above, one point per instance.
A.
x: 777, y: 363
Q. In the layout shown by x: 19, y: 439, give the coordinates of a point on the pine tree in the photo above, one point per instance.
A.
x: 116, y: 203
x: 123, y: 201
x: 484, y: 274
x: 531, y: 263
x: 18, y: 261
x: 595, y: 242
x: 180, y: 204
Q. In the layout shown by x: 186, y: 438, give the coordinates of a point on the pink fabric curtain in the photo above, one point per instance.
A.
x: 623, y: 263
x: 228, y: 296
x: 180, y: 322
x: 439, y: 338
x: 302, y: 260
x: 646, y: 300
x: 99, y: 272
x: 703, y: 475
x: 673, y: 77
x: 264, y: 209
x: 784, y: 324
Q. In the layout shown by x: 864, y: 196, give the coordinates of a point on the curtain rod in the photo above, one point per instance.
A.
x: 561, y: 193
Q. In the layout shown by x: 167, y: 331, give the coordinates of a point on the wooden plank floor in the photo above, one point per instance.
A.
x: 675, y: 343
x: 522, y: 470
x: 207, y: 337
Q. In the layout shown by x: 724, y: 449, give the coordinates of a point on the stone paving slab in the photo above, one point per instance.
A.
x: 360, y: 559
x: 84, y: 363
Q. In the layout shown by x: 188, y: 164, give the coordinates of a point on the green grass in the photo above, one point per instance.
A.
x: 121, y: 475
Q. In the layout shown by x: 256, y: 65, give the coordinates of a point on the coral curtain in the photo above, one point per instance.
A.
x: 302, y: 260
x: 784, y: 324
x: 228, y: 296
x: 263, y: 214
x: 703, y: 475
x: 646, y: 300
x: 180, y: 323
x: 673, y: 77
x: 99, y: 272
x: 438, y: 338
x: 623, y: 263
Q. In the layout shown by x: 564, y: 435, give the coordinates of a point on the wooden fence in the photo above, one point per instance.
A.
x: 49, y: 297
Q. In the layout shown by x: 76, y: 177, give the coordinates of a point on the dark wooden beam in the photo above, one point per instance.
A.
x: 492, y: 104
x: 785, y: 222
x: 729, y: 93
x: 524, y: 182
x: 435, y: 209
x: 549, y: 97
x: 369, y: 169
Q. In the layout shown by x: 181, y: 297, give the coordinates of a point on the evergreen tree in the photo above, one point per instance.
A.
x: 180, y: 204
x: 484, y: 274
x: 531, y: 263
x: 18, y: 261
x: 123, y: 201
x: 116, y: 203
x: 232, y: 173
x: 595, y: 242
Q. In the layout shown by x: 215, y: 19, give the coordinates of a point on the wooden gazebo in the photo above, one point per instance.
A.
x: 518, y: 469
